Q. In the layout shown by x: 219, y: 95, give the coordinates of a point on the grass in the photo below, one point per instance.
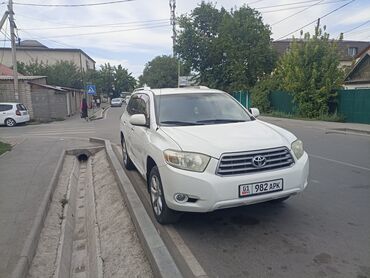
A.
x: 327, y: 118
x: 4, y: 147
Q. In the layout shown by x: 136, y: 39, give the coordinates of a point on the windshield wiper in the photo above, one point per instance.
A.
x: 180, y: 123
x: 216, y: 121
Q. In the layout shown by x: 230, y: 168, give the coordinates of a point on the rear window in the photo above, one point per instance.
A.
x: 5, y: 107
x: 21, y: 107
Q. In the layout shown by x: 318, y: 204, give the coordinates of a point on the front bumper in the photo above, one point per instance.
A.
x: 213, y: 192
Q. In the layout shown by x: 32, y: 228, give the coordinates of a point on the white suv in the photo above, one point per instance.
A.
x: 200, y: 150
x: 12, y: 113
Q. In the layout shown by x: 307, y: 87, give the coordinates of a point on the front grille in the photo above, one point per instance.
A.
x: 242, y: 162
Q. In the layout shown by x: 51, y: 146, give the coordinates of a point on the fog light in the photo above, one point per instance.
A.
x: 181, y: 198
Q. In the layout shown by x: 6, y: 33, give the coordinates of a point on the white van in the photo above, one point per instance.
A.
x: 12, y: 113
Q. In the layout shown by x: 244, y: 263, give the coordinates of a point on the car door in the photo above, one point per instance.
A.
x: 6, y: 111
x: 139, y: 104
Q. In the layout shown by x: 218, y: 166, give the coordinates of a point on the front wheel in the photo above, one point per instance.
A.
x: 127, y: 162
x: 162, y: 213
x: 10, y: 122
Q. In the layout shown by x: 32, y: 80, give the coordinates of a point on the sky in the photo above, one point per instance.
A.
x: 134, y: 32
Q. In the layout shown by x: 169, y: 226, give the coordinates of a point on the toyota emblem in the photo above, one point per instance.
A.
x: 259, y: 161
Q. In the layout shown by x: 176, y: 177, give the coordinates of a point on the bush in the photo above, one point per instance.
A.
x: 260, y: 94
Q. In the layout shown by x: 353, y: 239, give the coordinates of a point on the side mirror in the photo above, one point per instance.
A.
x: 138, y: 120
x: 255, y: 112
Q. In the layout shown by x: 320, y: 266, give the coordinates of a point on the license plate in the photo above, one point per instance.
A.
x: 263, y: 187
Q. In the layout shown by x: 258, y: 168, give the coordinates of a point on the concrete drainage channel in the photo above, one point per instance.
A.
x: 87, y: 229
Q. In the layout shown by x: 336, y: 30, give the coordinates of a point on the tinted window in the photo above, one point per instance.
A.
x: 139, y: 104
x: 21, y: 107
x: 5, y: 107
x: 202, y: 108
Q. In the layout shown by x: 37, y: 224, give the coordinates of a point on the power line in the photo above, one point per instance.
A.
x: 108, y: 32
x: 301, y: 11
x: 72, y: 5
x: 284, y: 5
x: 312, y: 22
x: 302, y: 6
x: 362, y: 24
x: 117, y: 24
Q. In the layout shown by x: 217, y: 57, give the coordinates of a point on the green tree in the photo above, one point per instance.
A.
x: 310, y: 72
x: 260, y: 93
x: 228, y: 50
x: 161, y: 72
x: 62, y: 73
x: 123, y: 80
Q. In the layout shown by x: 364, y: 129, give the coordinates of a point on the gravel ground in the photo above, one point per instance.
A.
x: 121, y: 251
x: 43, y: 264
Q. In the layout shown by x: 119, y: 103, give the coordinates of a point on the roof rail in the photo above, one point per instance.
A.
x: 145, y: 88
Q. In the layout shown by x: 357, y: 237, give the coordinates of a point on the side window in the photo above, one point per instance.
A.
x: 5, y: 107
x: 139, y: 104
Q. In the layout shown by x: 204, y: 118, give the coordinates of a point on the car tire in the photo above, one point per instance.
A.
x: 10, y: 122
x: 280, y: 200
x: 127, y: 162
x: 162, y: 212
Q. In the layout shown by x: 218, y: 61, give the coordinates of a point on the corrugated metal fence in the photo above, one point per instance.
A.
x: 353, y: 105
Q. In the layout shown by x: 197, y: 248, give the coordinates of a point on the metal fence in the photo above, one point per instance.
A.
x: 243, y: 98
x: 352, y: 105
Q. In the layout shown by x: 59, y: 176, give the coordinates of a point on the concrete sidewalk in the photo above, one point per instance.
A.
x: 25, y: 173
x: 328, y: 126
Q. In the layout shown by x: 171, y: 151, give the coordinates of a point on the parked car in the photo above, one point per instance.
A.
x: 116, y: 102
x: 200, y: 150
x: 12, y: 113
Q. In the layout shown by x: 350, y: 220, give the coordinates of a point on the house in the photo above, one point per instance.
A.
x: 348, y: 50
x: 44, y: 102
x: 359, y: 75
x: 29, y: 51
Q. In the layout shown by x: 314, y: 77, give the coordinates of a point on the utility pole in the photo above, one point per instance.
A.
x: 173, y: 23
x: 14, y: 55
x: 174, y: 36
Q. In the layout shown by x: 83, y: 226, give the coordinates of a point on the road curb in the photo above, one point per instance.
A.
x: 102, y: 112
x: 161, y: 261
x: 32, y: 240
x: 348, y: 131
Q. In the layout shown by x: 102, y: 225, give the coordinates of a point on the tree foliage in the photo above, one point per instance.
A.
x: 62, y: 73
x: 161, y: 72
x: 261, y: 91
x: 109, y: 80
x: 229, y: 50
x: 310, y: 72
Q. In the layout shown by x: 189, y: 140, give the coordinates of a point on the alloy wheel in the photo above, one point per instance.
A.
x: 156, y: 195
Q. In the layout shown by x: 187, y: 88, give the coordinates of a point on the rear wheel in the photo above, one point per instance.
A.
x: 10, y: 122
x: 127, y: 162
x: 162, y: 213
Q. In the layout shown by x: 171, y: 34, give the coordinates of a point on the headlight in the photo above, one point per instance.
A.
x: 297, y: 148
x: 187, y: 161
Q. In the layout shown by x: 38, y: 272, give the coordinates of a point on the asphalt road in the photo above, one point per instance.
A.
x: 324, y: 232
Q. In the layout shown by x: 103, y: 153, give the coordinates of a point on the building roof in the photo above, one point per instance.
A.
x: 31, y: 43
x: 56, y: 88
x: 4, y: 70
x: 282, y: 46
x: 360, y: 72
x: 21, y: 77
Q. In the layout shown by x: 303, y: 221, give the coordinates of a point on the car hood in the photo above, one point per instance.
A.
x: 217, y: 139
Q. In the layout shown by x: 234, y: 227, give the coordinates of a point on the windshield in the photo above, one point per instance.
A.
x: 198, y: 109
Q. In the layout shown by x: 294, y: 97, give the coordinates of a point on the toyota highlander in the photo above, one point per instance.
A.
x: 200, y: 150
